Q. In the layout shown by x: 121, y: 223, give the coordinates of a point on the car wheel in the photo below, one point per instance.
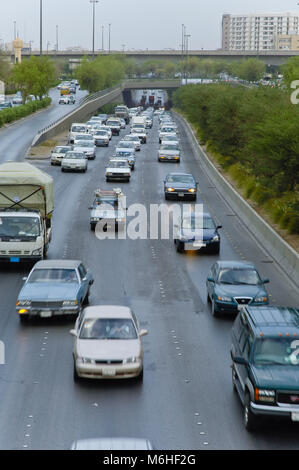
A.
x: 166, y: 197
x: 24, y: 319
x: 180, y: 247
x: 139, y: 378
x: 92, y: 227
x: 216, y: 249
x: 76, y: 376
x: 214, y: 311
x: 86, y: 299
x: 234, y: 379
x: 208, y: 298
x: 250, y: 420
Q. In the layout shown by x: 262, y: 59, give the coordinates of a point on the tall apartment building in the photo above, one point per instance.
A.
x: 257, y: 32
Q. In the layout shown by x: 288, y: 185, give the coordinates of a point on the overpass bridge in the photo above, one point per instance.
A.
x: 269, y: 57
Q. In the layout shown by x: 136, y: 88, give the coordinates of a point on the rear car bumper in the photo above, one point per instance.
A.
x: 15, y: 259
x: 180, y: 194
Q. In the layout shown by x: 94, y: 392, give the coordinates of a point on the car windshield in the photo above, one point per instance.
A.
x: 84, y: 137
x: 19, y: 228
x: 278, y: 351
x: 101, y: 133
x: 173, y: 138
x: 113, y: 123
x: 87, y: 143
x: 108, y: 328
x: 167, y: 129
x: 198, y: 223
x: 78, y: 129
x: 126, y: 145
x: 247, y: 276
x: 169, y: 147
x: 118, y: 164
x: 74, y: 155
x: 53, y: 275
x: 186, y: 179
x: 108, y: 200
x: 62, y: 149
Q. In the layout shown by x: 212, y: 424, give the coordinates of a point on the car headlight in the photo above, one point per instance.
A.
x: 264, y: 395
x: 261, y: 299
x: 23, y: 303
x: 191, y: 190
x: 170, y: 190
x: 223, y: 298
x: 70, y: 303
x: 37, y: 252
x: 131, y: 360
x: 216, y: 238
x: 109, y: 173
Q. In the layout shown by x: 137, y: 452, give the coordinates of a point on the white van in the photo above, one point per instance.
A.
x: 77, y: 128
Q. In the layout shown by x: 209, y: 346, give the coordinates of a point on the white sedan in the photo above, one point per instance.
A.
x: 107, y: 344
x: 74, y: 161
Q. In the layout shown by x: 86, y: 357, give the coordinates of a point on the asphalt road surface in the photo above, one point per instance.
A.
x: 186, y: 399
x: 16, y: 138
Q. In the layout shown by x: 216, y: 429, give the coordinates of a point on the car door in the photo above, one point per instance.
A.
x: 211, y: 285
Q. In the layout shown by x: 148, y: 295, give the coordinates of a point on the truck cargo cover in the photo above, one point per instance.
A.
x: 23, y: 185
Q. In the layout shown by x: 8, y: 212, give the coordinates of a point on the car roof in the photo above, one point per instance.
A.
x: 235, y: 264
x: 272, y: 320
x: 107, y: 311
x: 179, y: 174
x: 200, y: 214
x: 112, y: 443
x: 57, y: 263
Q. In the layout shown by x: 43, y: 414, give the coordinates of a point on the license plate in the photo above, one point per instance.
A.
x: 295, y: 416
x: 199, y: 244
x: 14, y: 260
x: 181, y: 194
x: 109, y: 372
x: 46, y: 314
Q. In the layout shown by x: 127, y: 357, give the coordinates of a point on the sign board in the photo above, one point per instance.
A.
x: 2, y: 92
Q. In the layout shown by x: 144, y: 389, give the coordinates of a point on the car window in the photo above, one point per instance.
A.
x: 82, y: 271
x: 53, y: 275
x: 280, y: 351
x: 239, y: 276
x: 108, y: 329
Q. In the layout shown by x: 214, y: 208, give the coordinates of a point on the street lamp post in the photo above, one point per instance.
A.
x: 93, y: 2
x: 109, y: 47
x: 41, y: 28
x: 187, y: 36
x: 102, y: 38
x: 57, y: 38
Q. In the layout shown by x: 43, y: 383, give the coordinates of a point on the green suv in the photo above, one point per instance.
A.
x: 265, y: 369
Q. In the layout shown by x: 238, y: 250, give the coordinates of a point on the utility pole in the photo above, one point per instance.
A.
x: 109, y: 47
x: 41, y: 28
x: 93, y: 2
x: 187, y: 36
x: 57, y: 38
x: 102, y: 38
x: 15, y: 29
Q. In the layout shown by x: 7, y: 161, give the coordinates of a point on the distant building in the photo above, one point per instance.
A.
x: 287, y: 42
x: 259, y: 32
x: 10, y: 48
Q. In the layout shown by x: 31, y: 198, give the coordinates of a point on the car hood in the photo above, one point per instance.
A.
x: 84, y: 149
x: 108, y: 349
x: 240, y: 290
x: 74, y: 160
x: 206, y: 234
x: 284, y: 377
x: 49, y: 291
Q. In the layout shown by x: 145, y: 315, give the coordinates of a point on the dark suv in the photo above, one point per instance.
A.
x: 265, y: 355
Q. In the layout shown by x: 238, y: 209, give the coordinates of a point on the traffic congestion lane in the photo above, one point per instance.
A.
x: 17, y: 137
x: 169, y: 300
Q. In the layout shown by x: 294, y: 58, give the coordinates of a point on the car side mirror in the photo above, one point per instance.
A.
x: 240, y: 360
x: 266, y: 281
x: 143, y: 332
x: 211, y: 279
x: 73, y: 332
x: 219, y: 226
x: 90, y: 208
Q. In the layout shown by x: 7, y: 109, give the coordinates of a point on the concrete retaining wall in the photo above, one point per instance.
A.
x: 82, y: 113
x: 282, y: 253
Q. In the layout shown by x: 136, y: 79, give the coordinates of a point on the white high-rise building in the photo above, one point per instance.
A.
x: 257, y: 32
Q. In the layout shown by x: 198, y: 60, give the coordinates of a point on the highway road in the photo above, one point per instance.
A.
x: 186, y: 399
x: 16, y: 138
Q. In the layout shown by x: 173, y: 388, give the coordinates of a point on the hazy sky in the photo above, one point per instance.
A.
x: 137, y: 24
